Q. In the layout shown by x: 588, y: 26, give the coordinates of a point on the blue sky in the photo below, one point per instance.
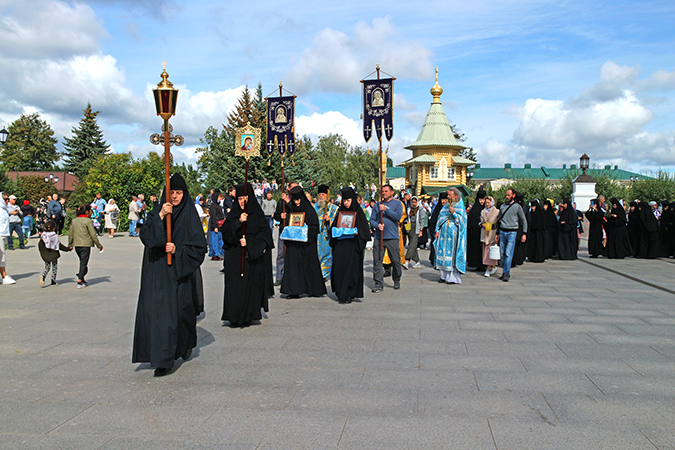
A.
x: 536, y: 82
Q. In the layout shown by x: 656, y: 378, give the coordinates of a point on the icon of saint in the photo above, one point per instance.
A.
x: 281, y: 115
x: 248, y: 143
x: 377, y: 98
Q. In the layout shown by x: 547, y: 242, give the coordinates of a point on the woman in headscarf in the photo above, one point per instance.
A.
x: 474, y: 246
x: 567, y: 236
x: 667, y: 225
x: 112, y: 214
x: 552, y: 227
x: 302, y: 271
x: 488, y: 215
x: 171, y: 296
x: 536, y: 233
x: 216, y: 217
x: 415, y: 213
x: 618, y: 244
x: 246, y: 232
x: 346, y: 277
x: 451, y: 239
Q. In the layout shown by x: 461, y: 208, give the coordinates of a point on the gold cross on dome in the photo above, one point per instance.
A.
x: 436, y: 74
x: 164, y: 66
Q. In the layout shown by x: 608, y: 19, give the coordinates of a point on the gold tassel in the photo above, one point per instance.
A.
x: 269, y: 163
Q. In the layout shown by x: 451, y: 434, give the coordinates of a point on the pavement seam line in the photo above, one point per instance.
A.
x: 343, y: 430
x: 621, y: 359
x: 642, y: 433
x: 65, y: 422
x: 551, y: 407
x: 494, y: 442
x: 630, y: 277
x: 596, y: 386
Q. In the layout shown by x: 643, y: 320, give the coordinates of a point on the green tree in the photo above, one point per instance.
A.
x: 85, y: 146
x: 304, y: 166
x: 33, y: 188
x: 660, y: 187
x: 460, y: 137
x: 31, y: 145
x: 529, y: 188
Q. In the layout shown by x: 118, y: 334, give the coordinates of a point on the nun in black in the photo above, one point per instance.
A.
x: 536, y: 234
x: 667, y: 226
x: 596, y: 219
x: 302, y: 271
x: 474, y: 246
x: 568, y: 240
x: 552, y: 227
x: 618, y: 244
x: 649, y: 234
x: 520, y: 248
x: 346, y: 276
x: 246, y: 295
x: 634, y: 227
x: 170, y: 297
x: 433, y: 220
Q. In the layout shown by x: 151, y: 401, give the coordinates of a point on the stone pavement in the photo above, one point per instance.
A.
x: 567, y: 355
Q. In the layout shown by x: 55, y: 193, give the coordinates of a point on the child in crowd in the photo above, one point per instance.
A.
x: 49, y: 247
x: 82, y: 238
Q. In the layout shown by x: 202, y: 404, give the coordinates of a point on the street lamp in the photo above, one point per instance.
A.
x: 3, y: 136
x: 165, y: 103
x: 51, y: 177
x: 583, y: 162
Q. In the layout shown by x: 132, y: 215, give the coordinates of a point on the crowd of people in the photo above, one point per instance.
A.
x: 321, y: 246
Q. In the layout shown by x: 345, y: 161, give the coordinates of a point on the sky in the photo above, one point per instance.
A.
x: 537, y: 82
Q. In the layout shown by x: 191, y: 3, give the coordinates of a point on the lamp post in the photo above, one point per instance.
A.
x: 3, y: 136
x: 165, y: 103
x: 583, y: 162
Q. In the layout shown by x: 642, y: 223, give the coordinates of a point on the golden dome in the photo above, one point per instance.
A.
x: 436, y: 91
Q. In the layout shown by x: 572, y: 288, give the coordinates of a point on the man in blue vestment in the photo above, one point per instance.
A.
x: 326, y: 211
x: 450, y: 243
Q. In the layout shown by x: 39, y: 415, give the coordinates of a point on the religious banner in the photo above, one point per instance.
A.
x: 378, y: 107
x: 247, y: 141
x: 280, y: 119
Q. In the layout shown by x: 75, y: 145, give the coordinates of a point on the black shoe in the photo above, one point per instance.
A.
x: 187, y: 354
x: 377, y: 290
x: 505, y: 278
x: 278, y: 283
x: 161, y: 371
x: 441, y: 280
x: 387, y: 273
x: 502, y: 277
x: 222, y: 270
x: 397, y: 285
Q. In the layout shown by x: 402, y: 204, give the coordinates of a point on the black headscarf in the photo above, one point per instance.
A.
x: 186, y: 227
x: 549, y: 214
x: 361, y: 222
x: 648, y: 217
x: 569, y: 214
x: 537, y: 218
x: 473, y: 218
x: 305, y: 206
x: 618, y: 209
x: 256, y: 222
x: 437, y: 210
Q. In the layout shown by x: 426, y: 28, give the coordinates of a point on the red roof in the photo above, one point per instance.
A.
x: 67, y: 181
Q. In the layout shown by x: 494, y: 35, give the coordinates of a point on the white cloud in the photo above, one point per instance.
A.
x: 32, y: 29
x: 336, y: 61
x: 608, y: 121
x: 321, y: 124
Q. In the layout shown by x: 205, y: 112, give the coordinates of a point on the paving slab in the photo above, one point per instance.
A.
x: 568, y: 354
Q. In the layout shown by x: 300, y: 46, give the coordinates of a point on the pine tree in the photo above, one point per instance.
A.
x: 85, y: 146
x: 467, y: 152
x: 31, y: 145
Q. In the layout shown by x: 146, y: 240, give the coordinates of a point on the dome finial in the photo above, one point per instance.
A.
x: 436, y: 90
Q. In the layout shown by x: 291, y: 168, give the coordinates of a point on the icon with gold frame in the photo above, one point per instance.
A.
x: 346, y: 219
x: 296, y: 219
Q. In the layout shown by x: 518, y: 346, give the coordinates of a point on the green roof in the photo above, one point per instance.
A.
x: 433, y: 190
x: 462, y: 160
x: 496, y: 173
x: 395, y: 172
x: 422, y: 159
x: 436, y: 130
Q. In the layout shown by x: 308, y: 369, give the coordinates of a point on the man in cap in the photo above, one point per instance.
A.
x: 326, y: 212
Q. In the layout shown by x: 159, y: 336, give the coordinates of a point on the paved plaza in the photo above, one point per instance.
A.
x: 567, y: 355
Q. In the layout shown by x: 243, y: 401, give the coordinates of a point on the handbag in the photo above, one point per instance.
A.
x: 494, y: 252
x: 220, y: 223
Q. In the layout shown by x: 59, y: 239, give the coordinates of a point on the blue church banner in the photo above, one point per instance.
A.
x: 280, y: 130
x: 378, y: 108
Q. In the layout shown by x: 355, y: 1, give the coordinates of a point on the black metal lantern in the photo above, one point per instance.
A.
x: 165, y: 97
x: 583, y: 162
x: 3, y: 136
